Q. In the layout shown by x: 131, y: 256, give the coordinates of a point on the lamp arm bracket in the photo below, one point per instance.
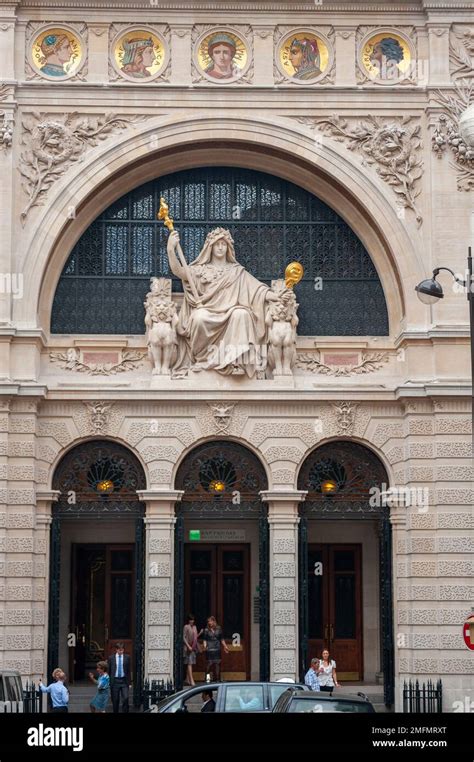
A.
x: 458, y: 280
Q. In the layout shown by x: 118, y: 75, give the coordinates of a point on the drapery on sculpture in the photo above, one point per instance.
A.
x: 228, y: 320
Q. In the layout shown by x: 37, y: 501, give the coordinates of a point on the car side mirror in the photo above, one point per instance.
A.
x: 182, y: 710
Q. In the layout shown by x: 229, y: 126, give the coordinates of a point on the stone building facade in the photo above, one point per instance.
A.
x: 376, y: 150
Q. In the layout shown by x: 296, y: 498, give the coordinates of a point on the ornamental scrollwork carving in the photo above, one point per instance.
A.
x: 461, y: 52
x: 52, y: 142
x: 369, y: 363
x: 70, y: 360
x: 6, y: 125
x: 393, y: 148
x: 447, y: 135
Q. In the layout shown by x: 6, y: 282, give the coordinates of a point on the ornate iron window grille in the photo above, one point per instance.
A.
x: 273, y: 222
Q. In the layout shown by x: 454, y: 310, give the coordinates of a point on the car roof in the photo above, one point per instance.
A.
x: 9, y: 672
x: 308, y: 695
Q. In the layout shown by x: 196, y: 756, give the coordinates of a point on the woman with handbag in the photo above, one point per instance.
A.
x: 190, y: 639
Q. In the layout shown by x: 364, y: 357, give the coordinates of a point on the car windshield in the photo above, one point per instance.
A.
x: 316, y: 706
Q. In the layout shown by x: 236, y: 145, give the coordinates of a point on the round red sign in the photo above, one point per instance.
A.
x: 468, y: 632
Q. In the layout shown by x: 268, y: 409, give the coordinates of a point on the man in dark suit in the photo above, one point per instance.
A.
x: 120, y: 677
x: 209, y: 705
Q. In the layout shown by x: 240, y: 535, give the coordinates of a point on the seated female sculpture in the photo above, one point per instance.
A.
x: 224, y: 329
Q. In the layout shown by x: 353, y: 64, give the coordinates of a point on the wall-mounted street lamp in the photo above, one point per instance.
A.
x: 429, y: 291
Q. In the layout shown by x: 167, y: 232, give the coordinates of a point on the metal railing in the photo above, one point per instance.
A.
x: 31, y: 702
x: 425, y: 698
x: 156, y: 690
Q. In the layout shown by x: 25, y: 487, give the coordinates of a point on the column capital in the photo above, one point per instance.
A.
x: 398, y: 516
x: 48, y: 495
x: 283, y: 495
x: 160, y: 495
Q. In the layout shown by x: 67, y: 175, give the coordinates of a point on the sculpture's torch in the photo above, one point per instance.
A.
x: 168, y: 222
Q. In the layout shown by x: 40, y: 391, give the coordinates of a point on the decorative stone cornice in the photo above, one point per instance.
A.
x: 283, y: 496
x: 160, y: 495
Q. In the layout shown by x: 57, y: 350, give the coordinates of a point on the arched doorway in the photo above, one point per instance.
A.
x: 345, y: 557
x: 221, y: 555
x: 96, y: 559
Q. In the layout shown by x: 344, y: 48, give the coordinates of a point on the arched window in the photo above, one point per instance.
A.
x: 273, y: 222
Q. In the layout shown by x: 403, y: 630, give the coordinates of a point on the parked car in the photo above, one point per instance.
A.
x: 229, y: 697
x: 11, y: 691
x: 291, y: 701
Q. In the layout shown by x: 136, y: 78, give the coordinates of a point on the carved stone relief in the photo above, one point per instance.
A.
x: 6, y: 125
x: 394, y: 148
x: 345, y: 417
x: 52, y: 142
x: 446, y: 133
x: 222, y: 414
x: 369, y: 362
x: 71, y: 360
x: 461, y: 52
x: 99, y: 416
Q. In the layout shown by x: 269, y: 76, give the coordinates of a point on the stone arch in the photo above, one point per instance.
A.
x: 90, y: 439
x: 278, y: 147
x: 376, y: 451
x: 237, y: 445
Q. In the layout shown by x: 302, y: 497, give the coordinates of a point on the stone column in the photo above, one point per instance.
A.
x: 41, y: 550
x: 9, y: 274
x: 283, y: 556
x: 159, y: 581
x: 398, y: 520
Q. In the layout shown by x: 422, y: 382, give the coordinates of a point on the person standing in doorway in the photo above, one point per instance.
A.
x: 327, y: 673
x: 120, y: 673
x: 190, y: 639
x: 212, y: 639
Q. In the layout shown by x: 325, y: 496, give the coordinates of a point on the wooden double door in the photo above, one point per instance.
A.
x: 335, y: 606
x: 102, y: 603
x: 217, y: 583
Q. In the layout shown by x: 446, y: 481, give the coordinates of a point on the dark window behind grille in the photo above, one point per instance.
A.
x: 273, y: 222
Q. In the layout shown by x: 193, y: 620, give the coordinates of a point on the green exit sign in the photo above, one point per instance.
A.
x: 195, y: 535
